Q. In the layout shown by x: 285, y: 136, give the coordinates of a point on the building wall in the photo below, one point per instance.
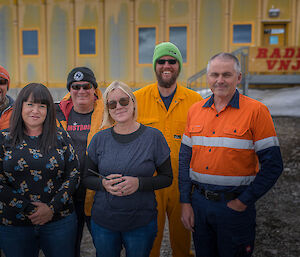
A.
x: 209, y: 29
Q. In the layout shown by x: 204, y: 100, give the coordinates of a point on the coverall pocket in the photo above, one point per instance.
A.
x: 235, y: 131
x: 178, y: 130
x: 197, y: 128
x: 148, y: 122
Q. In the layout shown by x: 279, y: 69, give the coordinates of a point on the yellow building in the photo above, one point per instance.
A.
x: 42, y: 40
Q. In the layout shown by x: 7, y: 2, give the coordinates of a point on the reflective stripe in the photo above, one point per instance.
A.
x: 186, y: 140
x: 265, y: 143
x: 221, y: 180
x: 223, y: 142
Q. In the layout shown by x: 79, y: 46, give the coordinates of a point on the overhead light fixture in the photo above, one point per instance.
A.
x: 274, y: 12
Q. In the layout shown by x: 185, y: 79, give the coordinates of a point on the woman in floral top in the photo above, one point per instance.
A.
x: 38, y: 175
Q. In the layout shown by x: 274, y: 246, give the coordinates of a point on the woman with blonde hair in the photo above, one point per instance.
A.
x: 125, y: 157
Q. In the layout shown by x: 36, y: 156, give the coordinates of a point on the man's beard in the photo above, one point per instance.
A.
x: 166, y: 83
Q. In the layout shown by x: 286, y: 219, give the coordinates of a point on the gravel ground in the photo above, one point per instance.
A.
x: 278, y: 212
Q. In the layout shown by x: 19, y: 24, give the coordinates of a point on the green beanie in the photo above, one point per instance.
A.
x: 166, y: 49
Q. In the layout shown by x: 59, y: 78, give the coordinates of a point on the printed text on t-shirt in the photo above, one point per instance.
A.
x: 78, y: 127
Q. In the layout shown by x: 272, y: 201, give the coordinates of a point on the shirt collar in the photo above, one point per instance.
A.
x: 169, y: 96
x: 179, y: 92
x: 234, y: 102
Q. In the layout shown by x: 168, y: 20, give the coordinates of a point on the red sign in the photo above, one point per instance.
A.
x: 274, y: 59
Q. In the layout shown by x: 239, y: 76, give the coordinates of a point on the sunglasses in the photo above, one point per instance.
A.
x: 124, y: 101
x: 85, y: 86
x: 3, y: 81
x: 170, y: 61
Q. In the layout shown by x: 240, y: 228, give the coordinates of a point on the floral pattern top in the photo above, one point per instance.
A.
x: 28, y: 175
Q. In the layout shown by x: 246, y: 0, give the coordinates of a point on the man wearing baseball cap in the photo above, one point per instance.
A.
x: 164, y: 105
x: 80, y: 114
x: 6, y: 101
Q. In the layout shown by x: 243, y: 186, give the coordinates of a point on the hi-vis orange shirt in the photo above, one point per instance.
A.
x: 227, y: 147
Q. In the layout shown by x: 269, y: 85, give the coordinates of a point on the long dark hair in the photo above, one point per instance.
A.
x: 38, y: 94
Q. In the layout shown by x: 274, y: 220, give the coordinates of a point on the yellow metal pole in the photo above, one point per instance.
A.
x: 132, y: 51
x: 259, y: 25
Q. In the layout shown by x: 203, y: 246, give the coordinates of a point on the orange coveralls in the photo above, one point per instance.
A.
x: 152, y: 112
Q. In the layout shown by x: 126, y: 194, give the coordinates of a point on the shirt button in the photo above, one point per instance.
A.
x: 207, y: 167
x: 209, y: 150
x: 234, y: 131
x: 214, y: 132
x: 217, y: 115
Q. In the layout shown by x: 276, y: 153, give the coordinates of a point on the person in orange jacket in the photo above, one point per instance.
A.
x: 164, y: 105
x: 80, y: 114
x: 6, y: 102
x: 229, y: 158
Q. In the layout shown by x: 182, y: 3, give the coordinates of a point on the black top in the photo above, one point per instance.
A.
x: 28, y: 175
x: 78, y: 127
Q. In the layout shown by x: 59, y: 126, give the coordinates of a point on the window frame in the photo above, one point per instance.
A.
x: 252, y: 33
x: 78, y: 41
x: 22, y: 42
x: 137, y: 43
x: 187, y: 39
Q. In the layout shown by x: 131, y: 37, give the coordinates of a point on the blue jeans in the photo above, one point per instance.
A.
x: 221, y: 231
x: 55, y: 239
x: 137, y: 242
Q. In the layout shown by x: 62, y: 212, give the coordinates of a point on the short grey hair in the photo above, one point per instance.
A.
x: 226, y: 56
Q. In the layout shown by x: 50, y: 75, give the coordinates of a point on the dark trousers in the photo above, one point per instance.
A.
x: 82, y: 219
x: 221, y: 231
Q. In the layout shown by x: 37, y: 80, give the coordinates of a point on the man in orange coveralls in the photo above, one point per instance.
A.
x: 164, y: 105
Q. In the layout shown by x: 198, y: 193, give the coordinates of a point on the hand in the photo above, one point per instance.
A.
x: 110, y: 181
x: 187, y: 216
x: 42, y: 215
x: 236, y: 205
x: 129, y: 186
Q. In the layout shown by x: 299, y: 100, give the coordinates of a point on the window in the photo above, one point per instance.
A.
x: 30, y: 42
x: 273, y: 40
x: 87, y: 41
x: 178, y: 36
x: 146, y: 44
x: 242, y: 33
